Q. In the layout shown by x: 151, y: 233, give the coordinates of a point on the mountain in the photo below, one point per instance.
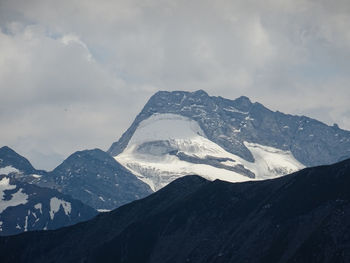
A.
x: 302, y: 217
x: 17, y: 167
x: 26, y: 207
x: 12, y: 161
x: 91, y: 176
x: 180, y: 133
x: 96, y: 179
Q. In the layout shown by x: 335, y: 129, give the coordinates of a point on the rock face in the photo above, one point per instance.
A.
x: 233, y: 140
x: 26, y: 207
x: 91, y: 176
x: 302, y: 217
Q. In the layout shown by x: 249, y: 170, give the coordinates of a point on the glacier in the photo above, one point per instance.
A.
x: 167, y: 146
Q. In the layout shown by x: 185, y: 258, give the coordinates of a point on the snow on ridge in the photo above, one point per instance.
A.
x: 103, y: 210
x: 55, y: 205
x: 17, y: 198
x: 8, y: 169
x: 271, y: 162
x: 232, y: 109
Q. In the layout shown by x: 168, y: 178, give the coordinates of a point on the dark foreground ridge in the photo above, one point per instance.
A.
x: 303, y: 217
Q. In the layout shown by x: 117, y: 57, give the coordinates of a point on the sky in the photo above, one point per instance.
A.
x: 74, y: 74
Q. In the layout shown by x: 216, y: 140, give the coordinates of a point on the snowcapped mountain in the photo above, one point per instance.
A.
x: 180, y: 133
x: 25, y: 207
x: 91, y: 176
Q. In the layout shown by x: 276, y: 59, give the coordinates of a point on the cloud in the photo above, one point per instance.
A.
x: 76, y: 73
x: 55, y: 98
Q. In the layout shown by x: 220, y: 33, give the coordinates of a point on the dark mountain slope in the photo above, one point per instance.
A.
x: 303, y: 217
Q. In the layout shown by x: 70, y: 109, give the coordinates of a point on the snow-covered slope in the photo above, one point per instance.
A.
x: 165, y: 147
x: 271, y: 162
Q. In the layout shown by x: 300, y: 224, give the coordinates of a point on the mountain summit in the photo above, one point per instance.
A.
x: 9, y: 158
x: 179, y: 133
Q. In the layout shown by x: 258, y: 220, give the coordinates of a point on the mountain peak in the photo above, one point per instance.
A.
x: 7, y: 150
x: 200, y: 93
x: 243, y: 99
x: 90, y: 152
x: 243, y: 103
x: 177, y: 93
x: 79, y: 157
x: 8, y: 157
x: 230, y: 123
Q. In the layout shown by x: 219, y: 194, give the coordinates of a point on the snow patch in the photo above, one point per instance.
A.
x: 103, y: 210
x: 39, y: 207
x: 26, y: 224
x: 55, y: 205
x: 248, y: 118
x: 89, y: 192
x: 232, y: 109
x: 8, y: 169
x: 17, y: 198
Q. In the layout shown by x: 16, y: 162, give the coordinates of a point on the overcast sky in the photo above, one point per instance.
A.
x: 74, y: 73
